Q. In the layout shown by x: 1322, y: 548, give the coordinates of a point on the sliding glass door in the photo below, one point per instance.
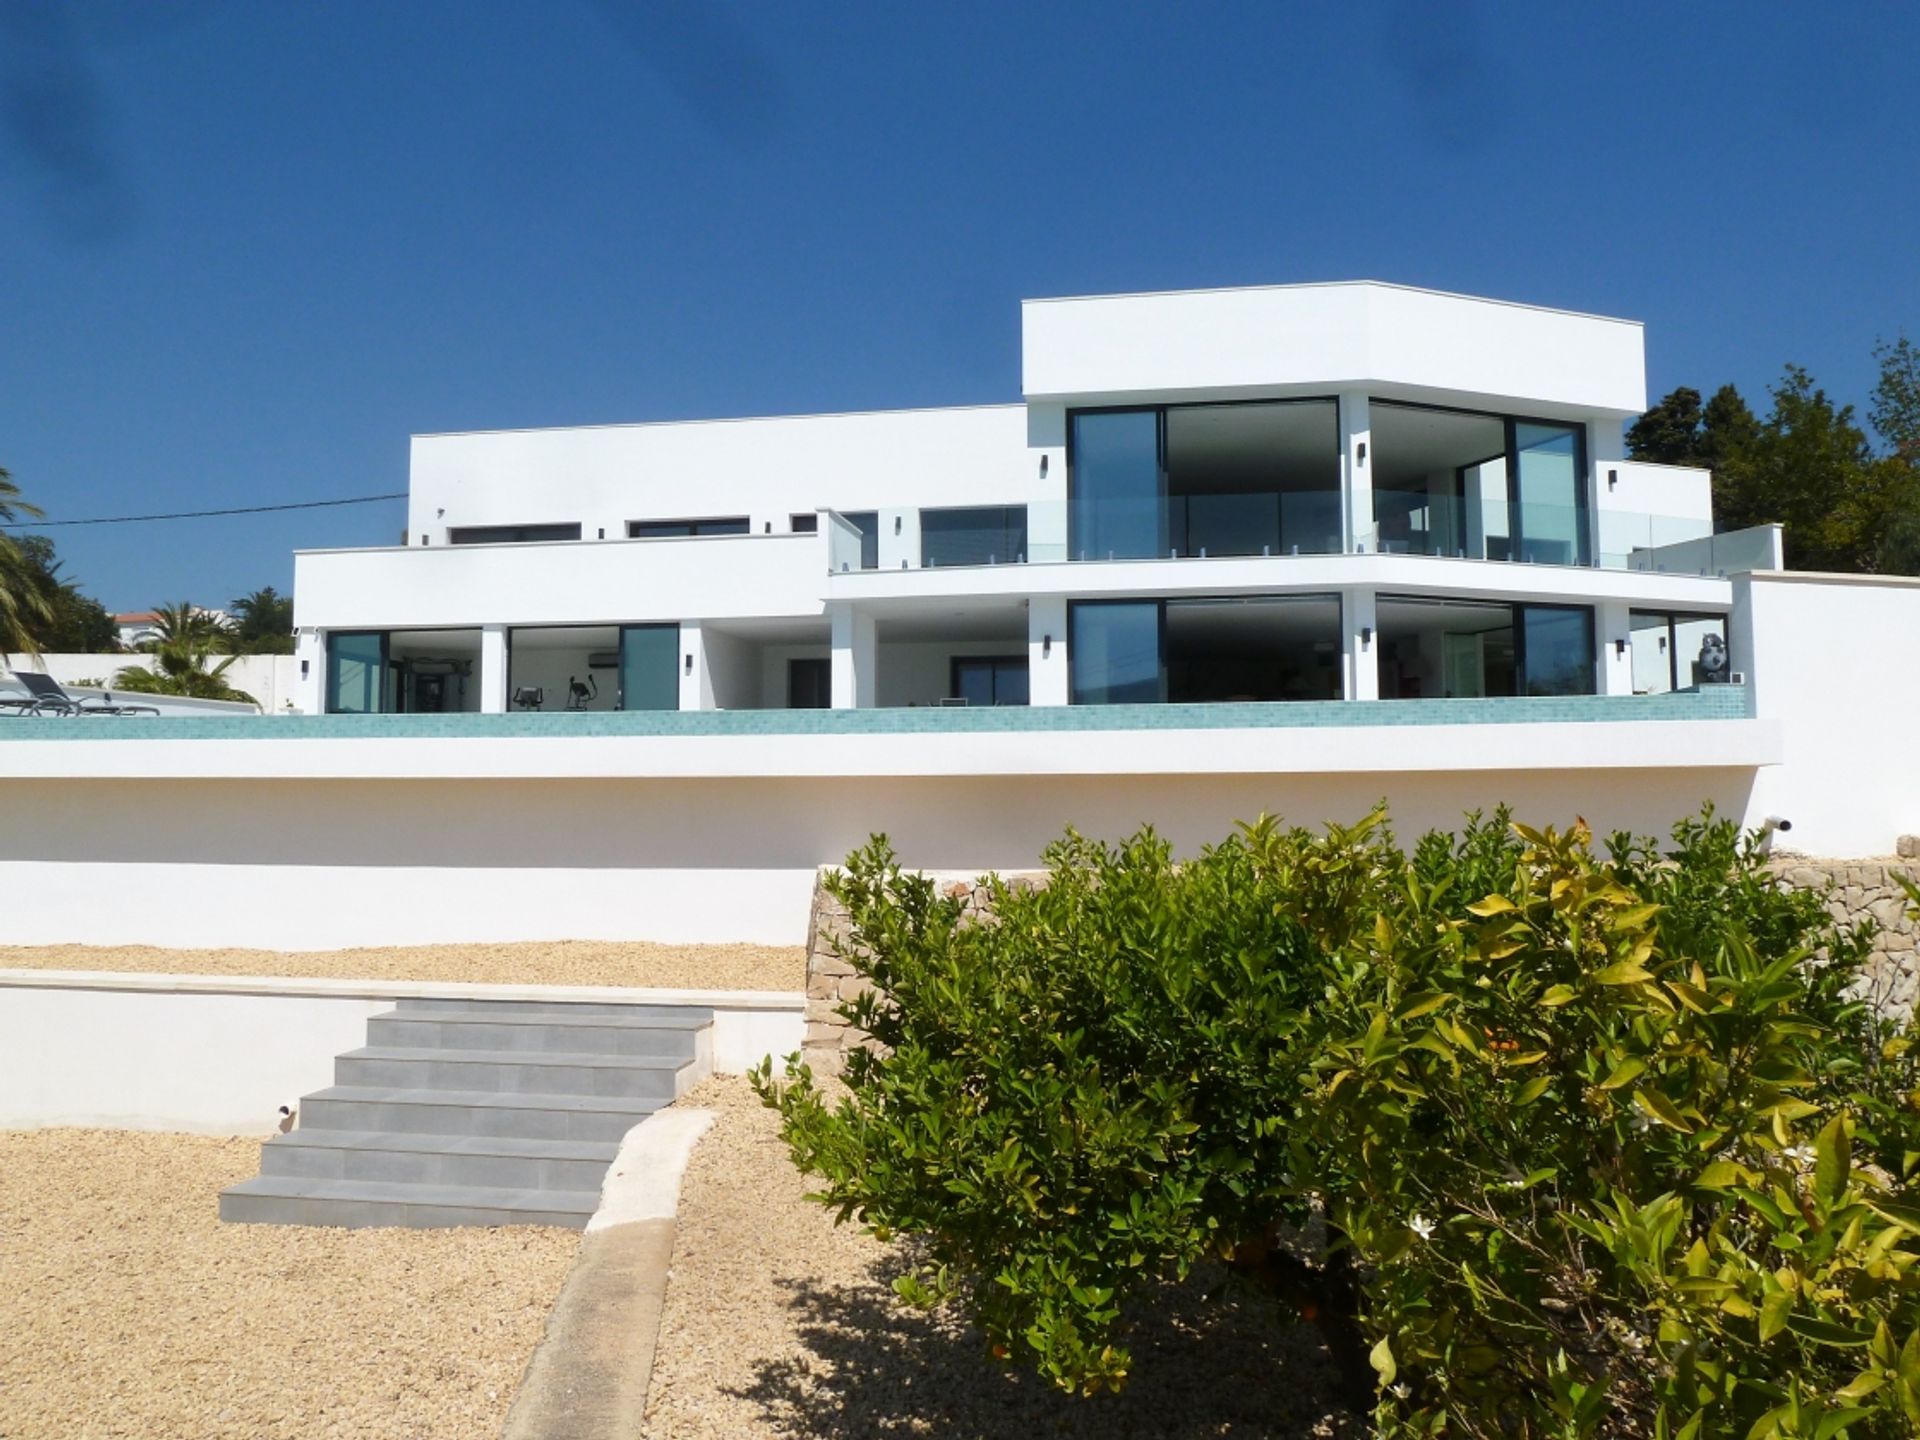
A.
x: 649, y: 667
x: 1115, y: 650
x: 1549, y: 495
x: 1115, y: 506
x: 357, y: 673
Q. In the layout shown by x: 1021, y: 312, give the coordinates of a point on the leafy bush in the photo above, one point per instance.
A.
x: 1602, y: 1146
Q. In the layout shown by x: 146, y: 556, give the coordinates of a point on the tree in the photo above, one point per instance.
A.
x: 1548, y: 1144
x: 1679, y: 430
x: 75, y: 622
x: 23, y: 606
x: 184, y: 657
x: 263, y: 623
x: 1895, y: 411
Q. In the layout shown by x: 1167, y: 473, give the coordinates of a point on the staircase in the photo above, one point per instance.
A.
x: 476, y: 1112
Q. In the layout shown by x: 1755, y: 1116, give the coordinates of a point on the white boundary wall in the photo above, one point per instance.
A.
x: 218, y: 1055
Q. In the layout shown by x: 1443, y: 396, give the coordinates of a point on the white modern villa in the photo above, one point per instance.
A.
x: 1293, y: 548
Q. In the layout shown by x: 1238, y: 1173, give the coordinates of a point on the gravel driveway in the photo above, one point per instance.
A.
x: 127, y: 1309
x: 779, y: 1324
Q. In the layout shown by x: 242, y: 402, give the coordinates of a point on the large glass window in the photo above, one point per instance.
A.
x: 1549, y: 495
x: 1114, y: 652
x: 1217, y: 648
x: 509, y: 534
x: 650, y: 667
x: 867, y: 522
x: 1256, y: 647
x: 1455, y: 649
x: 1676, y: 651
x: 1487, y: 487
x: 1115, y: 509
x: 990, y: 679
x: 980, y: 535
x: 356, y: 673
x: 1256, y: 478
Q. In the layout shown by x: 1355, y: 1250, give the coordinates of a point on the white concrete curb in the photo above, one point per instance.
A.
x: 644, y: 1181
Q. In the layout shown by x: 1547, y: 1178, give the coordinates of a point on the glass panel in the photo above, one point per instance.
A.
x: 1254, y: 648
x: 986, y: 535
x: 1652, y: 648
x: 356, y: 673
x: 1700, y: 653
x: 867, y: 522
x: 1448, y: 649
x: 1010, y: 682
x: 681, y: 529
x: 650, y: 667
x: 1556, y: 650
x: 1114, y: 654
x: 973, y: 681
x: 1549, y: 494
x: 1254, y: 479
x: 1432, y: 472
x: 509, y: 534
x: 809, y: 683
x: 1116, y: 509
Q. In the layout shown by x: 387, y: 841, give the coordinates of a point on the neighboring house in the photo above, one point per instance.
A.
x: 142, y: 627
x: 1291, y: 549
x: 137, y: 628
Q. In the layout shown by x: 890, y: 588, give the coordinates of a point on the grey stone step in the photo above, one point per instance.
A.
x: 495, y: 1162
x: 405, y: 1110
x: 512, y: 1072
x: 301, y: 1200
x: 575, y: 1034
x: 661, y: 1014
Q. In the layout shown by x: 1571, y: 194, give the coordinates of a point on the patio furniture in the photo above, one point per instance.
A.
x: 46, y: 696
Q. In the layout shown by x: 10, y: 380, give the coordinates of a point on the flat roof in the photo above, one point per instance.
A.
x: 1334, y: 285
x: 718, y: 420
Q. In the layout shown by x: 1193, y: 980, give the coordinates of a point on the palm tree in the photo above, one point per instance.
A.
x: 23, y: 602
x: 184, y: 654
x: 263, y: 623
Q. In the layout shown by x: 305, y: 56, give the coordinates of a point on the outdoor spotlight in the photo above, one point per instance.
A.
x: 1363, y: 452
x: 1366, y: 635
x: 689, y: 664
x: 1620, y: 649
x: 896, y: 524
x: 1043, y: 467
x: 1613, y: 478
x: 1046, y: 647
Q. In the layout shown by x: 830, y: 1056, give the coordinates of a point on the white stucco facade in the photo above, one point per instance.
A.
x: 1292, y: 549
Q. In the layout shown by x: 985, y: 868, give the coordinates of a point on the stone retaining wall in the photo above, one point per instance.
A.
x: 1861, y: 890
x: 1868, y: 890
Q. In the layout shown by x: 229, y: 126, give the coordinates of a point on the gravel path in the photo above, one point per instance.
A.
x: 127, y: 1309
x: 559, y: 962
x: 779, y: 1324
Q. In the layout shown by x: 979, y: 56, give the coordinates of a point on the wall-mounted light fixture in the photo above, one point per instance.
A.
x: 1043, y: 467
x: 603, y: 532
x: 1613, y: 478
x: 1366, y: 635
x: 425, y: 540
x: 689, y: 664
x: 1046, y: 647
x: 441, y: 513
x: 1363, y: 452
x: 1619, y: 649
x: 303, y: 669
x: 896, y: 524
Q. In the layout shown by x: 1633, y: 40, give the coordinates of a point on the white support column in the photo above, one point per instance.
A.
x: 696, y: 685
x: 1047, y: 650
x: 1362, y: 644
x: 1356, y: 470
x: 853, y: 657
x: 493, y: 669
x: 1612, y: 624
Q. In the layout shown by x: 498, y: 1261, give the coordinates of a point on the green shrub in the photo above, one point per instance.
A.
x: 1601, y: 1146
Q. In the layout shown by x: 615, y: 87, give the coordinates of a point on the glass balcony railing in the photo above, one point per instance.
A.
x: 1210, y: 527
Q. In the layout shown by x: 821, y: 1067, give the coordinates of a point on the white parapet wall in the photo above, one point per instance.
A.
x: 219, y: 1055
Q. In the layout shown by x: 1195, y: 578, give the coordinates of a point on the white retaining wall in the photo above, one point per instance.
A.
x: 218, y: 1055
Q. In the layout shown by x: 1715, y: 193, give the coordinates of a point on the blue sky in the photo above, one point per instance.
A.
x: 247, y: 249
